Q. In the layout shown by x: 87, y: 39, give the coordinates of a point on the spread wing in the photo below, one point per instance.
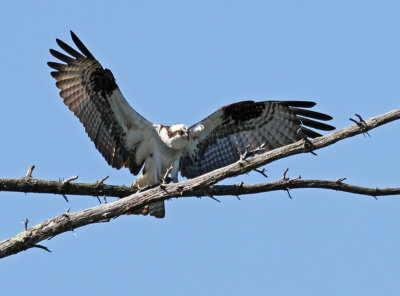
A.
x: 93, y: 95
x: 222, y: 137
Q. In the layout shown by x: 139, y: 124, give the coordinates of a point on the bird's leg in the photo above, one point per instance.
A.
x: 175, y: 170
x: 147, y: 187
x: 165, y: 179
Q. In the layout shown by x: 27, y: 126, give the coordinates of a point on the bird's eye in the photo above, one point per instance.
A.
x: 180, y: 133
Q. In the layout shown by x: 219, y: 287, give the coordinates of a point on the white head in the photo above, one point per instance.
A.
x: 175, y: 136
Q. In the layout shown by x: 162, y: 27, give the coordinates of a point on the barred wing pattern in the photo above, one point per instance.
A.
x: 87, y: 90
x: 232, y: 129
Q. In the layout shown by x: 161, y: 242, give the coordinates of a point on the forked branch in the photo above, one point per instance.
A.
x: 200, y: 186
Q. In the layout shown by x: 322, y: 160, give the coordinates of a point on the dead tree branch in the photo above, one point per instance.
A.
x: 96, y: 189
x: 34, y: 185
x: 199, y: 186
x: 286, y: 184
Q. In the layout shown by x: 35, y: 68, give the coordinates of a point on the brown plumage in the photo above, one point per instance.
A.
x: 126, y: 139
x: 232, y: 129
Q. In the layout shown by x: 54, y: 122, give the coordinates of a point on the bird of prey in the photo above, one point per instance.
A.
x: 127, y: 139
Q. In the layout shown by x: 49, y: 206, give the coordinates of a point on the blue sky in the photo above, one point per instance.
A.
x: 178, y: 61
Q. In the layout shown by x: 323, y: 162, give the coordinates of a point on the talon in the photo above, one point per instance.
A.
x: 166, y: 180
x: 147, y: 187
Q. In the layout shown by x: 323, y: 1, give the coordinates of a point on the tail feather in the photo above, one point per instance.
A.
x: 157, y: 209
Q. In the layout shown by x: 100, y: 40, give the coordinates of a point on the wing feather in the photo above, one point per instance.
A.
x: 314, y: 124
x: 65, y: 74
x: 68, y: 49
x: 81, y: 46
x: 222, y: 137
x: 311, y: 114
x: 62, y: 57
x: 93, y: 95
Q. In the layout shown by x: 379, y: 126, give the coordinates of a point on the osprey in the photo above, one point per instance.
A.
x: 127, y: 139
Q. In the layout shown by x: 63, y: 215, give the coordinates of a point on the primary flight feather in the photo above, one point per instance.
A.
x: 127, y: 139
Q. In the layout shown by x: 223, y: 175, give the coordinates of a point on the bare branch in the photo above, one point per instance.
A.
x: 106, y: 211
x: 30, y: 170
x: 26, y: 224
x: 102, y: 180
x: 200, y: 186
x: 284, y: 174
x: 66, y: 181
x: 285, y: 184
x: 58, y: 187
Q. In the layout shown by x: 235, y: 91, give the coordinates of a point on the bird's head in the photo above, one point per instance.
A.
x: 175, y: 136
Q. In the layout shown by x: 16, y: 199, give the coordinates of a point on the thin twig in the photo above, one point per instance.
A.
x: 262, y: 172
x: 102, y: 180
x: 26, y: 224
x: 104, y: 212
x: 195, y: 187
x: 284, y: 174
x: 41, y: 247
x: 212, y: 197
x: 30, y: 170
x: 70, y: 179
